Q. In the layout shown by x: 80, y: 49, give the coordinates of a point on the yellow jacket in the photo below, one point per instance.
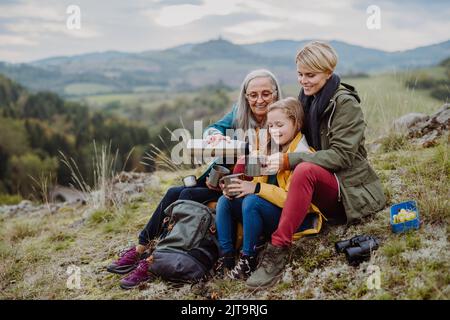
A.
x: 277, y: 194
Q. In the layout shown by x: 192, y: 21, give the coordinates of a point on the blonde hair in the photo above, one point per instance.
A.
x: 317, y: 56
x: 244, y: 115
x: 292, y: 108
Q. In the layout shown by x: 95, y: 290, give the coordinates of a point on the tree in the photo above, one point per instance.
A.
x: 25, y: 167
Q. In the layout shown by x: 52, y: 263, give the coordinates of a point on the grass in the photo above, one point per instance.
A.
x: 36, y: 251
x: 384, y: 99
x: 8, y: 199
x: 87, y: 89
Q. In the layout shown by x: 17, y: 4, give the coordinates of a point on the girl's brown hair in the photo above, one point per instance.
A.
x: 292, y: 108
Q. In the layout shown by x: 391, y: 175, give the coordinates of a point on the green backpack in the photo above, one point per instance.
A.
x: 189, y: 249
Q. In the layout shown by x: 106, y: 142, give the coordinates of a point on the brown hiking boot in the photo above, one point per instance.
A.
x: 270, y: 269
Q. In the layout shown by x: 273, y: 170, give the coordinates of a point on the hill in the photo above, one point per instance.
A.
x: 192, y: 66
x: 39, y: 250
x: 36, y: 128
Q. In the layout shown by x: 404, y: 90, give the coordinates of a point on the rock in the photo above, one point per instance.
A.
x: 65, y: 194
x: 428, y: 140
x: 443, y: 116
x: 408, y: 120
x: 440, y: 121
x: 426, y: 133
x: 25, y: 203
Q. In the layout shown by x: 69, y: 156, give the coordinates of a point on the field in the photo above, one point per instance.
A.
x: 37, y: 251
x: 384, y: 98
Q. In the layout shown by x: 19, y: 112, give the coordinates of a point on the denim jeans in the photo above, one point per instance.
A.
x: 259, y: 217
x: 199, y: 194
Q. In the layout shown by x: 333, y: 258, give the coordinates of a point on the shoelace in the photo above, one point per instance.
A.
x: 142, y: 268
x: 267, y: 259
x: 219, y: 264
x: 239, y: 267
x: 123, y: 252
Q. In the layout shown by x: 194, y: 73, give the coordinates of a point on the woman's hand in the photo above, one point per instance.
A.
x: 243, y: 187
x: 216, y: 138
x: 274, y: 163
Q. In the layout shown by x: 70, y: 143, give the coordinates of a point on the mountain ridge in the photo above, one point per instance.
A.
x: 190, y: 66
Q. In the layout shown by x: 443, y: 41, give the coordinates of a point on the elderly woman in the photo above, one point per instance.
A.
x: 337, y: 178
x: 259, y: 89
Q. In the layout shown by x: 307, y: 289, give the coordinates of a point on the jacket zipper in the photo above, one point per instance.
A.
x: 339, y: 187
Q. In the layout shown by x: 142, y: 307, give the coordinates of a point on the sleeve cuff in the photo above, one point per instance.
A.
x: 286, y: 165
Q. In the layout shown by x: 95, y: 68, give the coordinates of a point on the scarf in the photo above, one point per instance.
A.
x: 314, y: 107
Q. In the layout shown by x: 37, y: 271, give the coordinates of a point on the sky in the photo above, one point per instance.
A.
x: 37, y: 29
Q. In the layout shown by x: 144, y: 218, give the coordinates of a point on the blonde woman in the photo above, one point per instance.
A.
x: 337, y: 178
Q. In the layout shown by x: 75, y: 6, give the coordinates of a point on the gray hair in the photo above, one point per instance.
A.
x: 244, y: 116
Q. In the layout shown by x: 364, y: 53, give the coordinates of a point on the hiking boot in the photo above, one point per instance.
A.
x: 224, y: 264
x: 243, y: 269
x: 271, y: 267
x: 127, y: 262
x: 138, y: 276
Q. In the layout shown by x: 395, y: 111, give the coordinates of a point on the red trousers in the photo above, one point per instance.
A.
x: 309, y: 183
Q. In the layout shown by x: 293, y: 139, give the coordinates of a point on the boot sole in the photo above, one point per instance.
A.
x: 121, y: 270
x: 274, y: 281
x: 129, y: 287
x: 125, y: 269
x: 126, y: 287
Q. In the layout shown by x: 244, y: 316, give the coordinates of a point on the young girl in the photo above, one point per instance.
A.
x: 258, y: 206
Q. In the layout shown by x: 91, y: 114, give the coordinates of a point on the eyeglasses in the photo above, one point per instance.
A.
x: 265, y: 95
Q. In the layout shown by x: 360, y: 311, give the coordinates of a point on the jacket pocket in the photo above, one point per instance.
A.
x: 366, y: 198
x: 357, y: 175
x: 375, y: 195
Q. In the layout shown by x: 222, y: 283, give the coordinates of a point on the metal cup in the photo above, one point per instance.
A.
x: 190, y: 181
x: 216, y: 173
x: 227, y: 180
x: 253, y: 165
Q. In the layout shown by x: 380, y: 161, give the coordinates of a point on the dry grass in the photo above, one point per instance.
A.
x: 36, y: 251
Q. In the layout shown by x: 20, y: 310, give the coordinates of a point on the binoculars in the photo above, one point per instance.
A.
x: 357, y: 249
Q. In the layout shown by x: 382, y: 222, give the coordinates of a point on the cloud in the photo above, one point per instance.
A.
x: 178, y: 15
x: 139, y: 25
x: 31, y: 10
x: 12, y: 55
x: 11, y: 40
x: 35, y: 30
x: 28, y: 23
x: 253, y: 27
x: 182, y: 14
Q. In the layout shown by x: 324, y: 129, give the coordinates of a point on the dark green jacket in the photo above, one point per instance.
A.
x: 342, y: 128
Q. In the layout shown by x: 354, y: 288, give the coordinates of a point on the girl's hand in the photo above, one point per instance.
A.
x: 274, y: 163
x: 219, y: 188
x: 243, y: 187
x: 216, y: 138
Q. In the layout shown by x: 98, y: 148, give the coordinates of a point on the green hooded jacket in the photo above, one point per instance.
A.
x: 342, y: 139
